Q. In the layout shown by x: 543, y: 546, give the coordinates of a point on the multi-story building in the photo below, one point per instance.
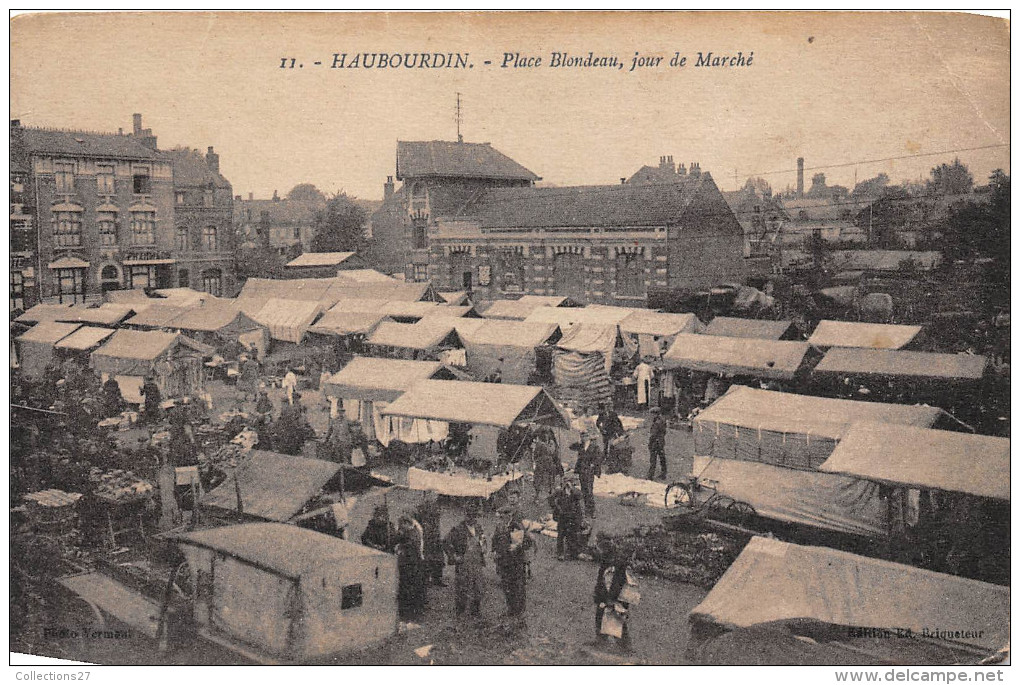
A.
x: 24, y: 289
x: 104, y: 210
x: 284, y: 225
x: 203, y: 222
x: 475, y: 221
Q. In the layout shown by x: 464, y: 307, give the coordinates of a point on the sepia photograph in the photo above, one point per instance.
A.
x: 510, y: 339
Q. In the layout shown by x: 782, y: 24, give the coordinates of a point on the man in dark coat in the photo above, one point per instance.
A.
x: 657, y: 443
x: 113, y: 402
x: 380, y: 533
x: 153, y: 398
x: 587, y: 467
x: 609, y: 425
x: 609, y: 583
x: 429, y: 515
x: 411, y: 569
x: 511, y: 546
x: 465, y: 546
x: 568, y: 512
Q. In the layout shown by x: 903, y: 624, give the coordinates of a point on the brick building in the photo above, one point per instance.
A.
x: 475, y: 221
x: 284, y: 225
x: 104, y: 208
x: 203, y: 222
x: 24, y: 289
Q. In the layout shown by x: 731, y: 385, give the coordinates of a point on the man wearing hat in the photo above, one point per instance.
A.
x: 657, y: 443
x: 465, y: 547
x: 511, y: 545
x: 587, y: 467
x: 568, y: 512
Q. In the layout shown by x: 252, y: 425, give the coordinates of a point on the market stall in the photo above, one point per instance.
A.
x: 35, y: 348
x: 287, y: 320
x: 509, y: 348
x: 750, y: 357
x: 173, y: 360
x: 429, y: 339
x: 733, y: 327
x: 858, y: 334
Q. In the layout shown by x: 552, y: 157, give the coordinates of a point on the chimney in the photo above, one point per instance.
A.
x: 120, y: 131
x: 695, y: 169
x: 138, y: 124
x: 623, y: 180
x: 388, y: 188
x: 800, y: 177
x: 212, y: 160
x: 276, y: 196
x: 681, y: 170
x: 237, y: 198
x: 251, y: 196
x: 15, y: 123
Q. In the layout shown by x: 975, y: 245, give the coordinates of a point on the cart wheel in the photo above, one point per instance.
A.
x: 717, y: 502
x: 679, y: 495
x: 743, y: 511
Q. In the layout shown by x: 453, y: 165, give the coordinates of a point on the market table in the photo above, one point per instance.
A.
x: 458, y: 484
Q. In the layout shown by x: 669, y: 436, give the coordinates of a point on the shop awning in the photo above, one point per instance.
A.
x: 855, y: 361
x: 511, y: 333
x: 660, y: 324
x: 424, y: 335
x: 491, y: 404
x: 69, y: 263
x: 924, y: 458
x: 857, y: 334
x: 776, y: 581
x: 375, y: 379
x: 779, y: 359
x: 49, y: 332
x: 732, y: 327
x: 85, y: 338
x: 347, y: 323
x: 287, y: 320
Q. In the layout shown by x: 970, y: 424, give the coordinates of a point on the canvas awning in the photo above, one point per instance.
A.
x: 69, y: 263
x: 43, y: 312
x: 569, y: 316
x: 48, y: 332
x: 923, y: 458
x: 103, y: 315
x: 774, y: 581
x: 491, y: 404
x: 780, y: 359
x: 320, y: 259
x: 660, y: 324
x: 347, y: 323
x: 857, y: 334
x: 85, y: 338
x: 375, y: 379
x: 272, y: 486
x: 855, y: 361
x: 589, y: 337
x: 287, y: 320
x: 156, y: 316
x: 732, y: 327
x: 505, y: 333
x: 129, y: 352
x: 424, y: 335
x: 784, y: 412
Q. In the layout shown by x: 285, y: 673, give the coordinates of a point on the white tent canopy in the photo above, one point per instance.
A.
x: 491, y: 404
x: 857, y: 334
x: 924, y: 458
x: 776, y: 581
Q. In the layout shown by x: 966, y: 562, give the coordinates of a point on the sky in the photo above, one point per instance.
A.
x: 836, y: 89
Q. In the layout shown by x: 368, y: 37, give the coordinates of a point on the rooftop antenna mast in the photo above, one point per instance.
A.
x: 460, y: 138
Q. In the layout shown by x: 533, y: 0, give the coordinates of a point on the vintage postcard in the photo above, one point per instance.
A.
x: 510, y: 338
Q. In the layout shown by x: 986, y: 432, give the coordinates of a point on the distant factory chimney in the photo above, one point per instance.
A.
x: 800, y: 177
x: 388, y: 188
x: 212, y: 160
x: 137, y: 118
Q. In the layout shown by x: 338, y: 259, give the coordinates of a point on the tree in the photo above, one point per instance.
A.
x: 980, y: 229
x: 871, y: 187
x: 339, y: 226
x: 951, y: 179
x: 306, y: 192
x: 759, y: 185
x: 257, y: 261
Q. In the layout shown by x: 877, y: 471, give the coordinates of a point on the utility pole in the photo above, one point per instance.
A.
x: 460, y: 138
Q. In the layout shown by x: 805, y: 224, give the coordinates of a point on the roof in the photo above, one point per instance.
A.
x: 329, y: 291
x: 883, y: 260
x: 282, y: 212
x: 779, y: 359
x: 419, y: 159
x: 347, y: 323
x: 547, y: 300
x: 85, y: 338
x: 773, y: 580
x: 648, y: 322
x: 185, y: 297
x: 455, y: 297
x: 213, y: 316
x: 733, y: 327
x: 510, y: 333
x: 287, y: 320
x: 858, y: 334
x: 511, y: 309
x: 568, y: 316
x: 367, y: 276
x: 105, y: 314
x: 450, y: 311
x: 869, y: 362
x: 43, y: 141
x: 273, y: 486
x: 923, y: 458
x: 48, y: 332
x: 320, y: 259
x: 784, y: 412
x: 191, y: 169
x: 611, y: 205
x: 424, y: 335
x: 376, y: 379
x: 157, y: 316
x: 492, y: 404
x: 145, y: 345
x: 281, y: 548
x: 43, y: 312
x: 589, y: 337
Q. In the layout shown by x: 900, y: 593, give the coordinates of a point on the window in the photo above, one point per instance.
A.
x: 207, y: 198
x: 510, y: 270
x: 421, y: 272
x: 17, y: 291
x: 109, y: 278
x: 22, y: 237
x: 64, y: 172
x: 183, y: 281
x: 212, y: 282
x: 209, y: 239
x: 179, y: 197
x: 568, y: 275
x: 141, y: 183
x: 70, y: 285
x: 143, y: 228
x: 420, y: 234
x: 141, y: 276
x: 107, y: 228
x: 351, y: 596
x: 67, y: 229
x: 104, y: 179
x: 181, y: 238
x: 297, y: 233
x: 630, y: 274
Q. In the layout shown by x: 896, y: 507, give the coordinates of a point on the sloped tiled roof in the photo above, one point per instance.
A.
x: 80, y: 143
x: 417, y: 159
x: 320, y: 259
x: 615, y: 205
x: 191, y: 169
